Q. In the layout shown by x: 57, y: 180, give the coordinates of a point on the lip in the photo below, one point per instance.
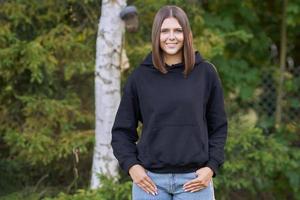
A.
x: 171, y: 44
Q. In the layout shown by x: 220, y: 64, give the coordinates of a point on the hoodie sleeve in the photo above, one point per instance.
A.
x: 216, y: 123
x: 124, y: 129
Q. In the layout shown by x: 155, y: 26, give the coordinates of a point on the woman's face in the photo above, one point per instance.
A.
x: 171, y: 37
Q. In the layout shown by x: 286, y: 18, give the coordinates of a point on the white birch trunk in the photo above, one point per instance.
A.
x: 107, y: 87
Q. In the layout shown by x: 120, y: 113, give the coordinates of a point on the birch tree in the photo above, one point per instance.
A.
x: 107, y: 86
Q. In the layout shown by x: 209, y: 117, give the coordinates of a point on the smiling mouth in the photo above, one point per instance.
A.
x: 171, y: 44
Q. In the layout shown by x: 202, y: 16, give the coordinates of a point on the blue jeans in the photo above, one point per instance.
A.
x: 170, y: 187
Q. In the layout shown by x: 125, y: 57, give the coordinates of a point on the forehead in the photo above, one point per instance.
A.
x: 170, y: 22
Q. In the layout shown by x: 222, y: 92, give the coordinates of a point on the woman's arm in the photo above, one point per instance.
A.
x: 124, y: 138
x: 124, y: 130
x: 216, y: 123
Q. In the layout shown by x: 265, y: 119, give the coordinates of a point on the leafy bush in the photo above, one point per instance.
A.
x: 109, y: 190
x: 257, y: 165
x: 46, y: 84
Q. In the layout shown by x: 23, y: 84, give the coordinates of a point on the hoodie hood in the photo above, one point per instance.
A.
x: 147, y: 62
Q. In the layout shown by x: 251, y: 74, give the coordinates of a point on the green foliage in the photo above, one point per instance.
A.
x: 48, y: 122
x: 47, y: 48
x: 19, y: 195
x: 258, y: 164
x: 110, y: 189
x: 11, y: 176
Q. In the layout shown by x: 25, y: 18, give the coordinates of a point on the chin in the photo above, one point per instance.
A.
x: 171, y: 52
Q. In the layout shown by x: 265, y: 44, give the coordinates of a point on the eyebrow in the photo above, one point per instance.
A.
x: 179, y: 28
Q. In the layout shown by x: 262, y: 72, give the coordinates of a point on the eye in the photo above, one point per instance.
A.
x: 179, y: 30
x: 164, y: 30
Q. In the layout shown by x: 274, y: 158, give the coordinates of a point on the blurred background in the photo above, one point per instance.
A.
x: 47, y: 106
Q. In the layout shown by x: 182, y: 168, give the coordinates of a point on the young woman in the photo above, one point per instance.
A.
x: 178, y: 98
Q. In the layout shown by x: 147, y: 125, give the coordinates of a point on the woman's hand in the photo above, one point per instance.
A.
x: 139, y: 177
x: 204, y: 177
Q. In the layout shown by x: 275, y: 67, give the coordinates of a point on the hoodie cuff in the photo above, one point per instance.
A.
x: 129, y: 163
x: 214, y: 166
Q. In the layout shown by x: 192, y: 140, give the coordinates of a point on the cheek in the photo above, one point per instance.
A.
x: 162, y: 38
x: 180, y: 38
x: 161, y: 44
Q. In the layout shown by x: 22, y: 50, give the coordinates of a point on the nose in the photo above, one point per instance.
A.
x: 171, y: 35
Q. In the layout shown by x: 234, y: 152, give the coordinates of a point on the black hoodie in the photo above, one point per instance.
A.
x: 184, y: 122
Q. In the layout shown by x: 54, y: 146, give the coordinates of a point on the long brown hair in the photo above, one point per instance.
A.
x: 188, y: 50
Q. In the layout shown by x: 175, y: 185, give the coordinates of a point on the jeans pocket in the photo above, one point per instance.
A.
x: 190, y: 175
x: 195, y: 174
x: 150, y: 174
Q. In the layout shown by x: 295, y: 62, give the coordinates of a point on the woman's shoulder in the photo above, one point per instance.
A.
x: 204, y: 64
x: 207, y: 67
x: 210, y: 67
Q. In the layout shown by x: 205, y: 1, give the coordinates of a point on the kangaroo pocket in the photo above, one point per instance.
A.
x: 173, y: 145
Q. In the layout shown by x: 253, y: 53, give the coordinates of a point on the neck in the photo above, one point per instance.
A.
x: 173, y: 59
